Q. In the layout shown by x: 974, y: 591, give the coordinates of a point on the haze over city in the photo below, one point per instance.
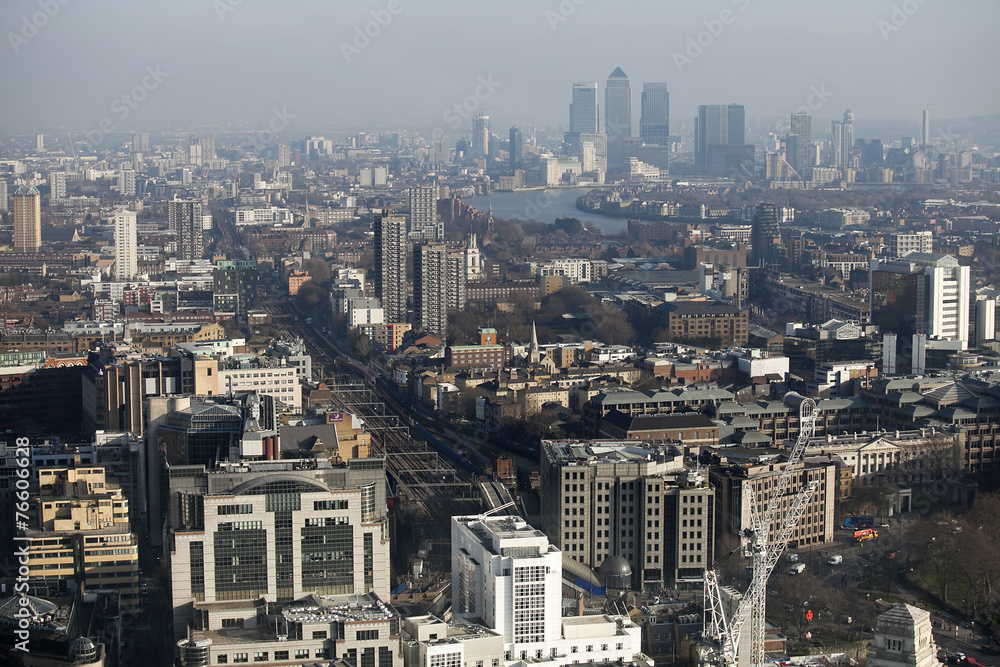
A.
x: 233, y: 62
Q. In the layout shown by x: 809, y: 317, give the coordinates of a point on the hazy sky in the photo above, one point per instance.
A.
x: 236, y: 60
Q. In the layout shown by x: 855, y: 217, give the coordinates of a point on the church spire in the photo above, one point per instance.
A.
x: 534, y: 353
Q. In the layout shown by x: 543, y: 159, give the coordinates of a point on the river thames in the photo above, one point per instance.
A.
x: 544, y: 206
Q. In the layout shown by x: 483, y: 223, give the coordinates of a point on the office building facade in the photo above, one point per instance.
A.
x: 617, y: 116
x: 654, y: 118
x: 277, y: 530
x: 636, y: 500
x: 720, y: 140
x: 584, y: 113
x: 282, y: 560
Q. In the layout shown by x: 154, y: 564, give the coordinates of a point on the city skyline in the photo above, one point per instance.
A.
x: 692, y: 49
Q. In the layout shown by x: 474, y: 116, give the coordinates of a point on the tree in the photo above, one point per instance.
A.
x: 363, y: 346
x: 317, y: 269
x: 310, y: 295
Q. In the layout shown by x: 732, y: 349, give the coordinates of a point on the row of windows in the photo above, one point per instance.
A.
x: 323, y: 505
x: 234, y: 509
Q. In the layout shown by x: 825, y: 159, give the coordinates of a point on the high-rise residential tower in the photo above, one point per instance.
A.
x: 186, y: 223
x: 800, y: 147
x: 617, y: 115
x: 584, y: 112
x: 3, y: 195
x: 424, y: 223
x: 430, y: 288
x: 765, y: 236
x: 390, y: 266
x: 654, y: 118
x: 126, y: 257
x: 57, y: 184
x: 480, y: 136
x: 27, y: 219
x: 925, y: 128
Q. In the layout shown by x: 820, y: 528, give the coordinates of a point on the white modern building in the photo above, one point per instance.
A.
x: 126, y: 245
x: 947, y: 295
x: 578, y: 270
x: 364, y: 311
x: 271, y: 215
x: 506, y: 575
x: 901, y: 245
x: 280, y: 382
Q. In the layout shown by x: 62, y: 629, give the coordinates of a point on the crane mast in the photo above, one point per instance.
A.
x: 726, y: 630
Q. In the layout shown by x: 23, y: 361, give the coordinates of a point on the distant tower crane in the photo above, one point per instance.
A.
x: 722, y: 630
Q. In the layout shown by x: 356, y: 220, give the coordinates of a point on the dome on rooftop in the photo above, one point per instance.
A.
x: 616, y: 566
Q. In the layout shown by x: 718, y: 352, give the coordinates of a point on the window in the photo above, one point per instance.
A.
x: 281, y: 655
x: 222, y: 659
x: 301, y: 653
x: 240, y: 657
x: 319, y: 634
x: 260, y: 656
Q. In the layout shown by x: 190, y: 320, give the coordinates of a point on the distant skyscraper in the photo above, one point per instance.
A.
x: 430, y: 287
x: 583, y: 111
x: 390, y: 266
x: 185, y: 221
x: 925, y: 128
x: 424, y: 223
x: 3, y: 195
x: 57, y: 185
x: 719, y: 142
x: 617, y: 115
x: 27, y: 219
x: 39, y: 142
x: 836, y: 143
x: 480, y: 136
x: 847, y: 145
x: 736, y: 124
x: 800, y: 146
x: 766, y: 236
x: 126, y: 258
x: 654, y: 119
x: 515, y: 148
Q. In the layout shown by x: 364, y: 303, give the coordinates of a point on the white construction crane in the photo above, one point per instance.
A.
x: 722, y: 630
